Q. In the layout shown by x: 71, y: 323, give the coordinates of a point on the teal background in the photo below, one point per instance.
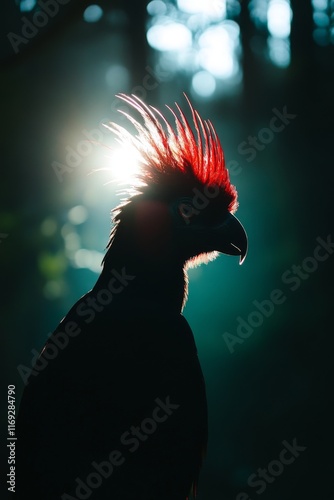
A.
x: 277, y: 383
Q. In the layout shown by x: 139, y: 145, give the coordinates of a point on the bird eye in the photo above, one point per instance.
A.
x: 186, y: 211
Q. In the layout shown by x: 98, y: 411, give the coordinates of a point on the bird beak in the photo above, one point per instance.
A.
x: 233, y: 238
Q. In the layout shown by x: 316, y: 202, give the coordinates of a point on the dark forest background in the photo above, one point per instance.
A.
x: 275, y: 385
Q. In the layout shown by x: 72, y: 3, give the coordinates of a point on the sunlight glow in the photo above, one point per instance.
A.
x: 123, y: 165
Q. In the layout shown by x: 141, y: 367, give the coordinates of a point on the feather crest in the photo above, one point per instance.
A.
x: 191, y: 149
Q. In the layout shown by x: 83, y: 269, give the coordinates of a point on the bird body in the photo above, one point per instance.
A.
x: 120, y: 412
x: 76, y: 413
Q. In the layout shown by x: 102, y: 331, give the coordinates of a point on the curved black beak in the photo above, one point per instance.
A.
x: 233, y: 238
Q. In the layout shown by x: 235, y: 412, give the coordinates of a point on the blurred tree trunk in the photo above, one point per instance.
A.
x: 136, y: 11
x: 251, y: 84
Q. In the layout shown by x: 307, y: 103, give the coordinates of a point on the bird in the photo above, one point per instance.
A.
x: 115, y: 406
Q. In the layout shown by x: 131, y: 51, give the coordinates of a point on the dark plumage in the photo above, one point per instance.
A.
x: 120, y: 411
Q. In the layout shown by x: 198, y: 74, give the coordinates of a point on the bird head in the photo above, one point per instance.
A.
x: 185, y: 203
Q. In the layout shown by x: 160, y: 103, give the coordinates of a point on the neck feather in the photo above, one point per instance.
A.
x: 158, y: 281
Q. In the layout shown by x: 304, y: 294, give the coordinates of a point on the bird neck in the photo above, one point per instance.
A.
x: 148, y: 283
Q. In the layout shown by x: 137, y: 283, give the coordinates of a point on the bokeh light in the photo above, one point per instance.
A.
x: 205, y: 40
x: 117, y: 78
x: 77, y: 214
x: 323, y: 19
x: 279, y: 51
x: 217, y: 50
x: 320, y: 4
x: 93, y: 13
x: 215, y: 9
x: 203, y: 83
x: 279, y: 18
x: 157, y: 8
x: 88, y: 259
x: 27, y: 5
x: 49, y: 226
x: 169, y: 36
x: 243, y: 64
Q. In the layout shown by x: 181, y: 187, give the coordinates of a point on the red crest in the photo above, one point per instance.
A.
x: 164, y: 149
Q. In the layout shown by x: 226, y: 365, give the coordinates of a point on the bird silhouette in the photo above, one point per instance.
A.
x: 115, y: 406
